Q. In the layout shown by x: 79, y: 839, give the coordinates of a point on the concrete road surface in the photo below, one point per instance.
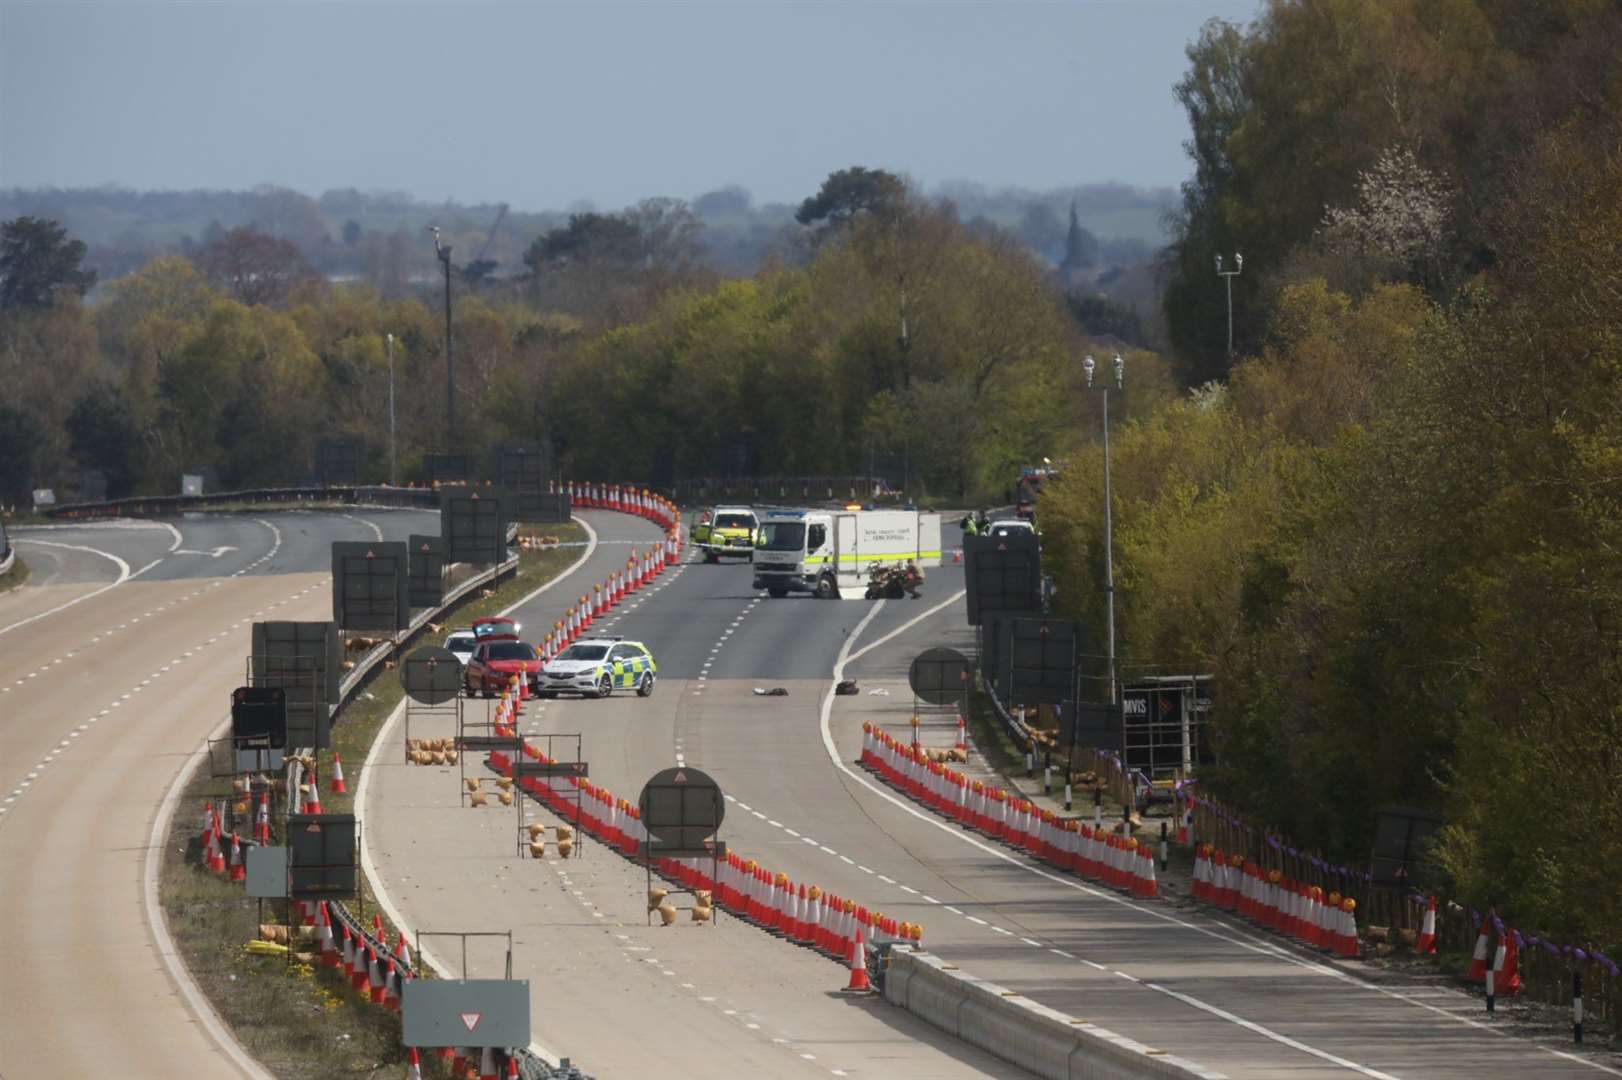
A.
x: 108, y: 684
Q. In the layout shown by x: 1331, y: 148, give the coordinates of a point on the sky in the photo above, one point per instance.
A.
x: 545, y: 104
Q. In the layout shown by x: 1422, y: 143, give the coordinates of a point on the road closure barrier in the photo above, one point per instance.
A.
x: 1068, y: 844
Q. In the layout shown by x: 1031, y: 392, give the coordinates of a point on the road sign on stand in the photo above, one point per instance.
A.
x: 465, y: 1012
x: 431, y: 675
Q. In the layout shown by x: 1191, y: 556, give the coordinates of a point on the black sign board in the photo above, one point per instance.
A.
x: 512, y: 744
x: 321, y: 856
x: 940, y: 676
x: 521, y: 466
x: 92, y: 485
x: 431, y: 675
x: 1090, y: 724
x: 474, y: 524
x: 427, y: 558
x: 532, y: 507
x: 371, y: 585
x: 1401, y: 836
x: 681, y: 809
x: 259, y: 718
x: 339, y: 461
x: 465, y: 1012
x: 1038, y: 656
x: 447, y: 468
x: 1002, y: 573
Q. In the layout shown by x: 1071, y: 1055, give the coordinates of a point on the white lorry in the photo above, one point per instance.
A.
x: 830, y: 553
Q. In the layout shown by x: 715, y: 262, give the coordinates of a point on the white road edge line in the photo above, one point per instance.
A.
x: 386, y: 902
x: 1255, y: 945
x: 123, y: 576
x: 159, y: 928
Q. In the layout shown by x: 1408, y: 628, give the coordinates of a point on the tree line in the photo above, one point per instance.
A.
x: 1391, y: 526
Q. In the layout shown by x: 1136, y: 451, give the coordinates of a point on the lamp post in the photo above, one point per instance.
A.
x: 444, y: 253
x: 393, y: 472
x: 1088, y: 366
x: 1228, y: 276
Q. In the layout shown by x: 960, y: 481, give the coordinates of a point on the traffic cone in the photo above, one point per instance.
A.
x: 1509, y: 971
x: 329, y: 952
x: 1478, y: 958
x: 401, y: 952
x: 414, y: 1066
x: 374, y: 976
x: 314, y: 806
x: 262, y: 825
x: 962, y: 735
x: 239, y: 872
x: 858, y: 965
x: 338, y: 776
x: 208, y: 827
x: 487, y: 1064
x: 1427, y: 930
x: 216, y: 854
x: 357, y: 967
x: 512, y: 1068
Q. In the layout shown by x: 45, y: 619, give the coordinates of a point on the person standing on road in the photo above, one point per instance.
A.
x: 914, y: 578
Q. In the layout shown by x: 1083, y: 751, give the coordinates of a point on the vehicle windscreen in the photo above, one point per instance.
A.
x: 733, y: 521
x: 782, y: 536
x: 511, y: 650
x: 460, y: 642
x: 584, y: 652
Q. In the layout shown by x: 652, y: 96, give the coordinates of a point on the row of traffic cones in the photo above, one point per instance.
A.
x: 640, y: 570
x: 1090, y: 851
x: 1275, y: 902
x: 623, y: 498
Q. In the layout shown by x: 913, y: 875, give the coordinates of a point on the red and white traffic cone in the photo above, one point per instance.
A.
x: 338, y: 776
x: 1427, y: 929
x: 329, y: 952
x: 487, y: 1064
x: 1478, y: 958
x: 962, y: 734
x: 858, y: 966
x: 512, y: 1067
x: 262, y: 825
x: 216, y: 852
x: 414, y: 1066
x: 239, y: 872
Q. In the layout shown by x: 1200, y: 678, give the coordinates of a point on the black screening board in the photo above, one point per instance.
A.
x: 539, y: 507
x: 321, y: 856
x: 1090, y: 724
x: 522, y: 466
x: 338, y: 461
x: 5, y: 544
x: 427, y: 555
x: 1402, y: 838
x: 447, y: 468
x: 370, y: 585
x: 1039, y: 659
x: 1002, y: 573
x: 286, y: 653
x: 473, y: 522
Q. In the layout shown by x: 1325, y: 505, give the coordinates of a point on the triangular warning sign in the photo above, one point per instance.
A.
x: 679, y: 778
x: 471, y: 1020
x: 371, y: 555
x: 425, y: 547
x: 312, y: 827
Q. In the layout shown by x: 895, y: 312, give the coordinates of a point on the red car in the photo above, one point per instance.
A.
x: 495, y: 661
x: 495, y: 627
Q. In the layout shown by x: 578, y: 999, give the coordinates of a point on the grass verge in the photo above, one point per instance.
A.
x: 303, y: 1022
x: 15, y: 576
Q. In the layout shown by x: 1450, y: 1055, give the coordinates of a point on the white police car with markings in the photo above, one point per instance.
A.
x: 598, y: 666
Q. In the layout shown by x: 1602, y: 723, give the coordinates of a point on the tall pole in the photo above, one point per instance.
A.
x: 450, y: 377
x: 1228, y: 276
x: 1109, y: 551
x: 394, y: 479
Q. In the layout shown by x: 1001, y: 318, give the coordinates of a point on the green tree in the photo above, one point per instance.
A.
x: 103, y: 435
x: 21, y: 438
x: 36, y: 259
x: 849, y: 192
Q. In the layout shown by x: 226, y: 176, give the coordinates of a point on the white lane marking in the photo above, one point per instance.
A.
x: 1097, y: 967
x: 977, y: 921
x: 1061, y: 952
x: 173, y: 532
x: 143, y: 570
x: 1294, y: 1044
x: 123, y: 576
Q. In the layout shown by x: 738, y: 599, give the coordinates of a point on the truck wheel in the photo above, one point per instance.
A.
x: 826, y: 589
x: 776, y: 593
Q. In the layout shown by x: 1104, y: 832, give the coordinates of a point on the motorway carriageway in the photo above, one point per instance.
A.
x: 116, y: 660
x: 625, y: 998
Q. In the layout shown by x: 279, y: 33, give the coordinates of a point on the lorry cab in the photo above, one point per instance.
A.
x: 725, y: 530
x: 831, y: 553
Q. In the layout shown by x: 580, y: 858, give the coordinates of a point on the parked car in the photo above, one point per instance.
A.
x: 462, y: 643
x: 496, y: 661
x: 495, y: 626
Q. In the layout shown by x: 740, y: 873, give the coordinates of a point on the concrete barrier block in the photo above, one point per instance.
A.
x: 1018, y: 1030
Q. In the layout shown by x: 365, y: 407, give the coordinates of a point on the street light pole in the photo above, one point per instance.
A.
x: 1109, y: 531
x: 1228, y: 276
x: 393, y: 471
x: 444, y: 253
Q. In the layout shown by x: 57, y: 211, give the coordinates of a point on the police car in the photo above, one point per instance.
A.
x: 598, y: 667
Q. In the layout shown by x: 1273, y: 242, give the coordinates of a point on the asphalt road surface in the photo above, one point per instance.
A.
x: 1199, y: 986
x: 115, y: 661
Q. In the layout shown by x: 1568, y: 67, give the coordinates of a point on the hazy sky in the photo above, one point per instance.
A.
x: 540, y: 104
